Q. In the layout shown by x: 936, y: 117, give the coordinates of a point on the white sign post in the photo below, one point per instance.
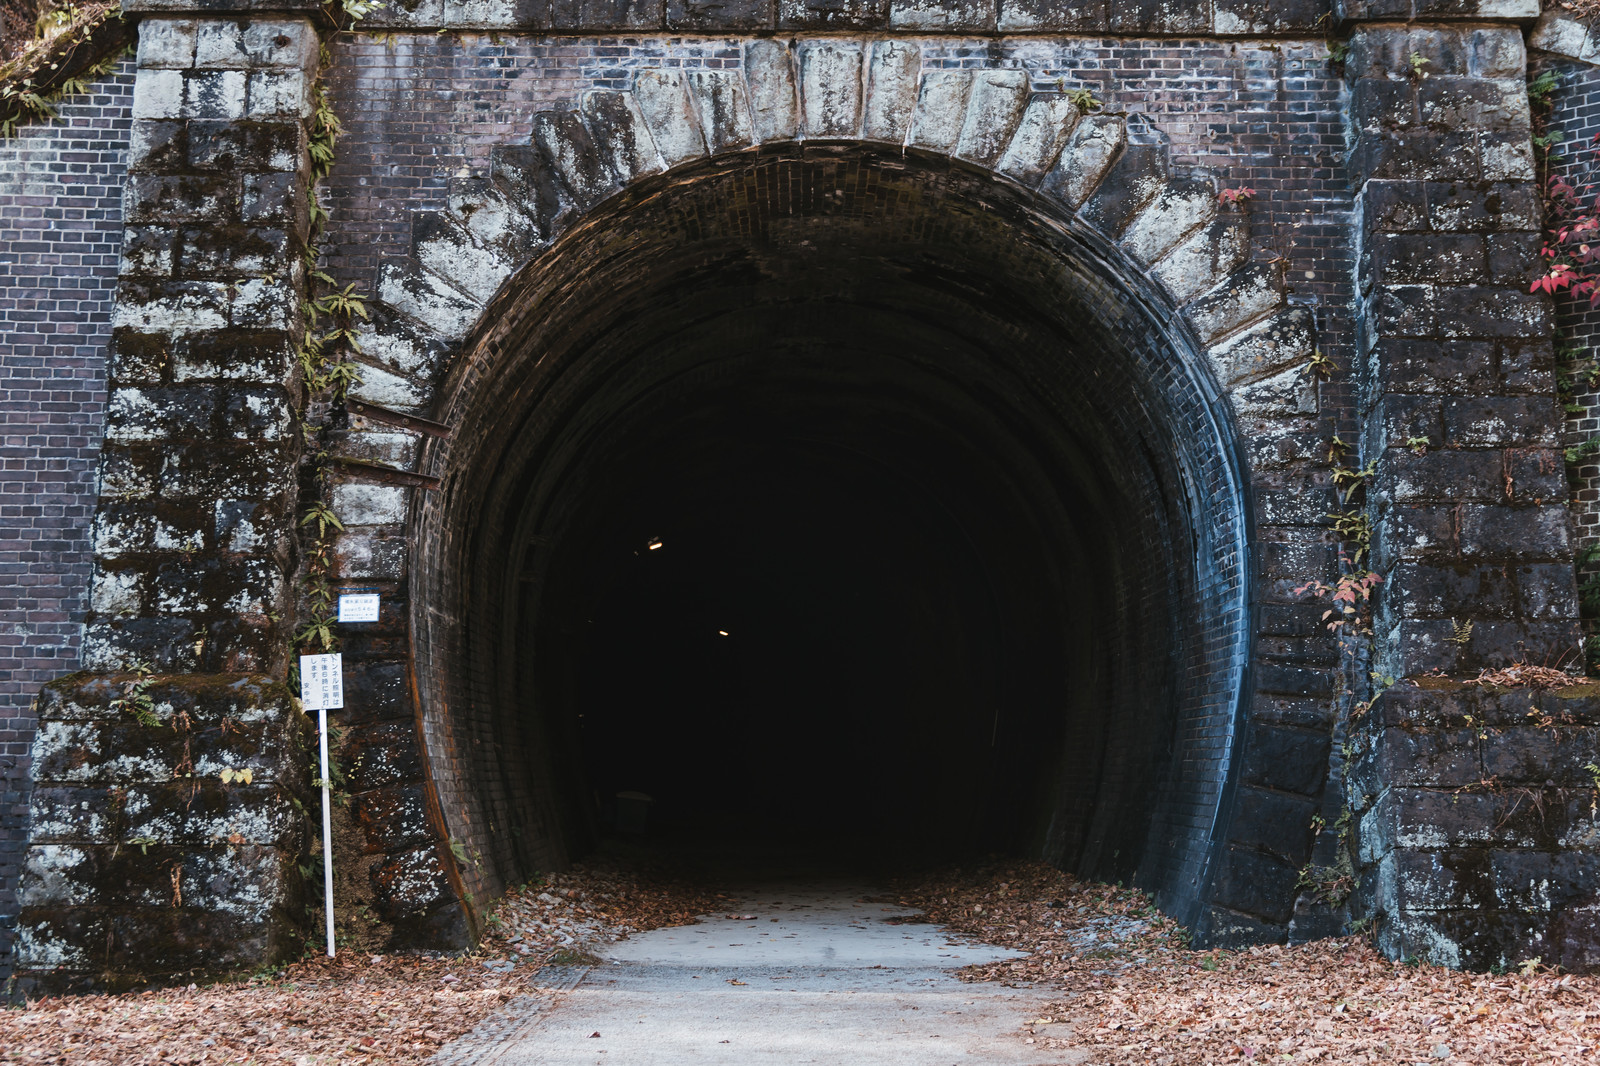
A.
x: 322, y: 689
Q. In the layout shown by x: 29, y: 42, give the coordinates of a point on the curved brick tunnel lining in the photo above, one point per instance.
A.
x: 1068, y: 385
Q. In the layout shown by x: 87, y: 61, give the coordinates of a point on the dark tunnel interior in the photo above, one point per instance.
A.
x: 836, y: 503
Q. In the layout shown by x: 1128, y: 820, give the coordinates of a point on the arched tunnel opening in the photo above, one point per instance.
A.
x: 848, y: 505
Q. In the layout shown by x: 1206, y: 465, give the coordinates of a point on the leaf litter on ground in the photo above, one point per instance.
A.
x: 1133, y: 992
x: 358, y: 1008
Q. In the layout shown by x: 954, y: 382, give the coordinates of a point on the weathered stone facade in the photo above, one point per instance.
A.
x: 1029, y: 177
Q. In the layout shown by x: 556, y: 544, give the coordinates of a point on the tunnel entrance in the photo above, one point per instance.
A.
x: 833, y: 496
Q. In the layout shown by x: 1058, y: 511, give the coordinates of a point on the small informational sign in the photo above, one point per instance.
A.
x: 358, y: 606
x: 322, y: 682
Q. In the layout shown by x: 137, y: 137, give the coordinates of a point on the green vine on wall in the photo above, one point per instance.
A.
x: 329, y: 372
x: 73, y: 47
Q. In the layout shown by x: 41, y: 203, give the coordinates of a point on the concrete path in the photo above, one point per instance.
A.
x: 798, y: 974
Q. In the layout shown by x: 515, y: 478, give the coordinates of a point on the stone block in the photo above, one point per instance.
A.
x: 565, y: 141
x: 359, y: 504
x: 166, y: 43
x: 279, y: 95
x: 1460, y: 206
x: 1476, y: 103
x: 621, y: 136
x: 769, y: 67
x: 427, y: 298
x: 1281, y: 343
x: 386, y: 389
x: 1046, y: 124
x: 1232, y: 931
x: 943, y: 16
x: 941, y: 110
x: 1088, y: 155
x: 256, y: 413
x: 410, y: 883
x: 159, y: 94
x: 1450, y: 258
x: 822, y: 15
x: 994, y: 110
x: 448, y: 250
x: 663, y: 98
x: 69, y: 814
x: 724, y: 111
x: 1498, y: 421
x: 892, y: 76
x: 1432, y: 367
x: 1523, y: 533
x: 273, y: 198
x: 229, y: 146
x: 481, y: 207
x: 1070, y: 16
x: 392, y: 818
x: 179, y: 198
x: 231, y: 251
x: 830, y: 76
x: 382, y: 754
x: 1182, y: 206
x: 1242, y: 298
x: 1206, y: 259
x: 1287, y: 760
x: 688, y: 16
x: 530, y: 183
x: 1256, y: 884
x: 1277, y: 823
x: 1134, y: 180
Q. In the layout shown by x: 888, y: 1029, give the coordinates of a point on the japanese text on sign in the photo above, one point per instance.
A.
x: 322, y: 682
x: 358, y: 607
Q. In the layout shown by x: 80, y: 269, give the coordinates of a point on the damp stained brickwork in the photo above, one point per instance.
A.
x: 60, y: 239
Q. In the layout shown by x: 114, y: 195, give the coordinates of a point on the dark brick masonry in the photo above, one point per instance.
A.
x: 60, y: 235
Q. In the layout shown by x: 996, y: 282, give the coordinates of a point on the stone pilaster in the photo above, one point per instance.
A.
x: 139, y: 847
x: 1468, y: 505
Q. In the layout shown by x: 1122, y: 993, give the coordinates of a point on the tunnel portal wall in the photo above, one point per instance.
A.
x: 1389, y: 225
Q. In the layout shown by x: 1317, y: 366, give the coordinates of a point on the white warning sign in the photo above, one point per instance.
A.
x: 322, y: 682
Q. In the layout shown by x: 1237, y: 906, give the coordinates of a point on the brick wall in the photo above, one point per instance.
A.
x: 1575, y: 113
x: 60, y: 235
